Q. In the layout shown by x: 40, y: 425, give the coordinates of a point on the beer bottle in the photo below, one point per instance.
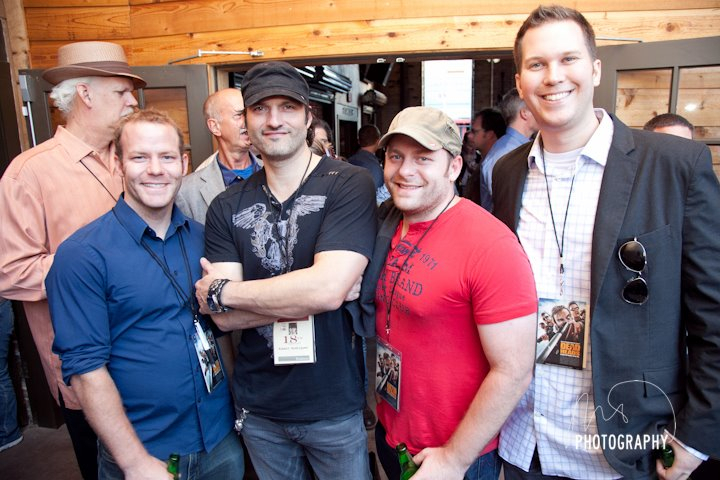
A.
x: 407, y: 466
x: 173, y: 465
x: 667, y: 456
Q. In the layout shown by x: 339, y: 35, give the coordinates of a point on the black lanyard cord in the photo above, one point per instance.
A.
x: 285, y: 252
x: 187, y: 300
x: 415, y: 248
x: 561, y: 241
x: 98, y: 180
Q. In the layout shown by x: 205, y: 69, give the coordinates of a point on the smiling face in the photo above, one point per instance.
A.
x: 152, y: 167
x: 419, y: 180
x: 278, y: 127
x: 557, y: 78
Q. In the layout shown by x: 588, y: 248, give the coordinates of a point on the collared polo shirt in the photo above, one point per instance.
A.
x: 231, y: 177
x: 113, y: 306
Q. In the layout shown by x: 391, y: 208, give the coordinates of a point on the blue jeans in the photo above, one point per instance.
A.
x: 9, y: 430
x: 334, y: 448
x: 486, y: 467
x: 225, y: 461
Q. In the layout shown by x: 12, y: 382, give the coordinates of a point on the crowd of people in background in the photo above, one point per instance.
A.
x: 224, y: 315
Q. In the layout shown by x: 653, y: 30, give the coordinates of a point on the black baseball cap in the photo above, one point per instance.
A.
x: 272, y: 79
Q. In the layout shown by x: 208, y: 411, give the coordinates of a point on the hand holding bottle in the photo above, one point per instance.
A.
x: 676, y: 463
x: 437, y: 463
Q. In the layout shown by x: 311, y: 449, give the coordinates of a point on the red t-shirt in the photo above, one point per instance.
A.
x: 470, y: 270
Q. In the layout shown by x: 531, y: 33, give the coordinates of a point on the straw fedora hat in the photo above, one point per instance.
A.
x: 91, y: 59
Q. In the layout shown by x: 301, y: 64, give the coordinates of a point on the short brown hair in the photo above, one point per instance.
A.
x: 553, y: 13
x: 149, y: 116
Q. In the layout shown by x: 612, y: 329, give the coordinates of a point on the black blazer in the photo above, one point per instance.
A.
x: 662, y: 190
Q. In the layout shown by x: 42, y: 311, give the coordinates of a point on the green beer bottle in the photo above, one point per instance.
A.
x: 173, y: 465
x: 407, y: 466
x: 667, y: 456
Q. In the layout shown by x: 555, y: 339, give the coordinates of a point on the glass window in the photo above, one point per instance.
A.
x: 447, y: 85
x: 642, y: 94
x: 699, y: 100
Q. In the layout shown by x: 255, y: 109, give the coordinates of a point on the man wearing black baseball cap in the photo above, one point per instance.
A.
x: 291, y: 243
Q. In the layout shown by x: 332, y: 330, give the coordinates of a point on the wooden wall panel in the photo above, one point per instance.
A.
x: 78, y: 23
x: 366, y: 39
x: 74, y: 3
x: 173, y: 17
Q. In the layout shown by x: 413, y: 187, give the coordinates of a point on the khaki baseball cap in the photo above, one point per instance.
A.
x: 428, y: 126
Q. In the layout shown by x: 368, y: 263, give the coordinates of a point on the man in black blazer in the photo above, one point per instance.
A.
x: 626, y: 221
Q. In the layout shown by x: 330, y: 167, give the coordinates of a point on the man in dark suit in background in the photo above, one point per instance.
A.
x: 626, y: 222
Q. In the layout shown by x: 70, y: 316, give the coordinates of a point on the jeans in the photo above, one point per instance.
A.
x: 9, y: 430
x: 224, y: 462
x: 486, y: 467
x: 331, y: 449
x: 83, y: 438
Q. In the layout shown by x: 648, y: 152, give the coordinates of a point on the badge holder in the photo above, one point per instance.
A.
x: 562, y: 339
x: 389, y: 368
x: 208, y: 356
x: 294, y: 341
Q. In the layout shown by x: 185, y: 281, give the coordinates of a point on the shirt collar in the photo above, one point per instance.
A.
x: 515, y: 134
x: 76, y: 148
x: 229, y: 176
x: 137, y: 227
x: 596, y: 149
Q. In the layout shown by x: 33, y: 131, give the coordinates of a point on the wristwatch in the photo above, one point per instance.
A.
x: 213, y: 297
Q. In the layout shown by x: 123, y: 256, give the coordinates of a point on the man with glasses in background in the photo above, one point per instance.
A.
x: 625, y: 223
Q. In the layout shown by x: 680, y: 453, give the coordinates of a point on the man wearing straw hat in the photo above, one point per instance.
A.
x: 55, y: 188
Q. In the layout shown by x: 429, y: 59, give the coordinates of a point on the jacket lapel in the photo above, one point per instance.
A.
x: 507, y: 193
x: 615, y: 190
x: 213, y: 182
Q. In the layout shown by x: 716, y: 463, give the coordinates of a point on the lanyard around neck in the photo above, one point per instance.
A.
x: 561, y: 241
x: 414, y: 249
x: 285, y: 252
x: 186, y: 297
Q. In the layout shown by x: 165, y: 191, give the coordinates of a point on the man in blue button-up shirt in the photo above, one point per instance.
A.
x: 121, y: 300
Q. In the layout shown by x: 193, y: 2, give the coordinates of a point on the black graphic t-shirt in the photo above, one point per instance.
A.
x: 333, y: 210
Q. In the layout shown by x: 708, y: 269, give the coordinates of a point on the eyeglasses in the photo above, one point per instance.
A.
x: 633, y: 257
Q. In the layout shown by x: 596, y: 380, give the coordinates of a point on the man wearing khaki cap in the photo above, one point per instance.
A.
x: 55, y: 188
x: 454, y: 303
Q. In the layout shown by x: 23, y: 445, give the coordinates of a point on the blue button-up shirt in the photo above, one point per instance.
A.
x: 112, y: 306
x: 505, y: 144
